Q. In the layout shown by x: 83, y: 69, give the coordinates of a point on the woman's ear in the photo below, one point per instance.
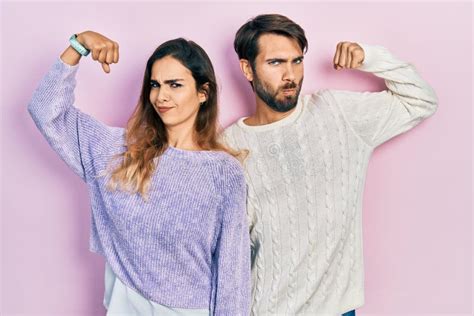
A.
x: 203, y: 93
x: 246, y: 69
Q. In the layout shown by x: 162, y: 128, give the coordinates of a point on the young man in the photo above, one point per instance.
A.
x: 307, y: 162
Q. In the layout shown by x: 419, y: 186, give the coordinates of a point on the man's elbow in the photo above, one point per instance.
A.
x: 432, y: 103
x: 427, y: 104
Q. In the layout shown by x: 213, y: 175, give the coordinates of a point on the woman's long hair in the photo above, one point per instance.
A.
x: 146, y: 136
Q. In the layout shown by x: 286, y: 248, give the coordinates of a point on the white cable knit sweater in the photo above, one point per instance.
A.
x: 305, y: 176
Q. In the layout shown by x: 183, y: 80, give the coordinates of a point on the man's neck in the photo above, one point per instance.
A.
x: 265, y: 115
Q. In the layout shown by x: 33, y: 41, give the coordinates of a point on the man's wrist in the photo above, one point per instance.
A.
x: 368, y: 56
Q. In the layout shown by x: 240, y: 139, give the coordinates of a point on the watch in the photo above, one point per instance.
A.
x: 78, y: 46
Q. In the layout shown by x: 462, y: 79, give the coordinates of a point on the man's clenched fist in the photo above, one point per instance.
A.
x: 348, y: 55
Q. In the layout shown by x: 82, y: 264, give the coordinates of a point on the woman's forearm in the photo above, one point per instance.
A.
x: 70, y: 56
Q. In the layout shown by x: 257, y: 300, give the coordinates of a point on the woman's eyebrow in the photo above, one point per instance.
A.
x: 168, y: 80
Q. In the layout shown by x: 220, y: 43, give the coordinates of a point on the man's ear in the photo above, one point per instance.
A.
x: 246, y: 69
x: 203, y: 92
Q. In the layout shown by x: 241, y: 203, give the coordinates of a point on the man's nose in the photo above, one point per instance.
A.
x: 289, y: 74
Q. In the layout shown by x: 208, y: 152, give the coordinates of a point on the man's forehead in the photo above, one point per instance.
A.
x: 278, y: 46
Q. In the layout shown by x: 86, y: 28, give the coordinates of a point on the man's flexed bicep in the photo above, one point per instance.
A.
x: 377, y: 117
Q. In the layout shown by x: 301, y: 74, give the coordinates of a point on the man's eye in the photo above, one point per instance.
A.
x: 274, y: 62
x: 298, y: 61
x: 175, y: 85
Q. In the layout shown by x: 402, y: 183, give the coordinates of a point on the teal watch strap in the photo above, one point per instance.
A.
x: 78, y: 46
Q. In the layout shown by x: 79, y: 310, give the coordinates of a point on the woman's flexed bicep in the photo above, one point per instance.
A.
x: 74, y: 135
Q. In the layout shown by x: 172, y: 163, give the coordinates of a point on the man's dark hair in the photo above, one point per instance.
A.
x: 246, y: 38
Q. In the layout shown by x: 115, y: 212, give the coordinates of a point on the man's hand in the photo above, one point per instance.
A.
x: 348, y: 55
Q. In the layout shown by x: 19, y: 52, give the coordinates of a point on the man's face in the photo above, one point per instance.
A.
x: 278, y: 71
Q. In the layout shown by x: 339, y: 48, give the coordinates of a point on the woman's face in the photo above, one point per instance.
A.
x: 173, y: 93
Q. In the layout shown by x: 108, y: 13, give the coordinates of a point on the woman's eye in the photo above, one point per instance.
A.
x: 175, y: 85
x: 154, y: 84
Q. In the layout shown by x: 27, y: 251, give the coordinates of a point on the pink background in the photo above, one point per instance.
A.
x: 418, y: 198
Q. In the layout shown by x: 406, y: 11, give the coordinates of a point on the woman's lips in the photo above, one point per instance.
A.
x: 164, y: 109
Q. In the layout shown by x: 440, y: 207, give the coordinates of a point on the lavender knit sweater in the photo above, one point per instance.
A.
x: 188, y: 246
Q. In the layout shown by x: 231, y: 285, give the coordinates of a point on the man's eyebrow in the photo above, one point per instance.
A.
x: 276, y: 59
x: 283, y: 59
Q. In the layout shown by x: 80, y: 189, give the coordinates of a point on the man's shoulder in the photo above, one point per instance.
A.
x: 232, y: 129
x: 320, y: 95
x: 313, y: 101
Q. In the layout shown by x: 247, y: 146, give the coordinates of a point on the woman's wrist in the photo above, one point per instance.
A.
x: 70, y: 56
x: 80, y: 38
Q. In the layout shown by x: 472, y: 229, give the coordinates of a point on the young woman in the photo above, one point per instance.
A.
x: 168, y: 200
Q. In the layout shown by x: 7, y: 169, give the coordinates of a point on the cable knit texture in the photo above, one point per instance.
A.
x: 306, y: 176
x: 188, y: 246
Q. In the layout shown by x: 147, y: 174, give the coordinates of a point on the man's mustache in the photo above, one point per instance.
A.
x: 290, y: 85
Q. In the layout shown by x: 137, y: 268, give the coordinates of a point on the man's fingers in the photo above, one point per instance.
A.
x: 354, y: 62
x: 337, y: 55
x: 349, y: 56
x: 356, y: 59
x: 359, y: 52
x: 106, y: 67
x: 343, y: 55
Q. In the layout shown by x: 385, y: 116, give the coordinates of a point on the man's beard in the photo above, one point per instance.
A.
x: 269, y: 96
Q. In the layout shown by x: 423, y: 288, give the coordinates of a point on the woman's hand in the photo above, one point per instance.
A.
x: 103, y: 49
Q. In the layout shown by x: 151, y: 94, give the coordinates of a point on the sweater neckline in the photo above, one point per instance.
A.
x: 284, y: 121
x: 191, y: 154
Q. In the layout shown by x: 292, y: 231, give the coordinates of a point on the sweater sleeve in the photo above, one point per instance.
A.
x: 377, y: 117
x: 232, y: 255
x: 74, y: 135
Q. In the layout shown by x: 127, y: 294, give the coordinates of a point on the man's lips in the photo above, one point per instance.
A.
x: 288, y: 91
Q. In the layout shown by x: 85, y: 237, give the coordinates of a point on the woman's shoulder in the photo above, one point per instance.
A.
x: 231, y: 173
x: 228, y: 163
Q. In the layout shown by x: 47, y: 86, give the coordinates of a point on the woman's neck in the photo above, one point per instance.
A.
x: 182, y: 138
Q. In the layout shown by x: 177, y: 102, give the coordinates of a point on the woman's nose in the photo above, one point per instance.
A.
x: 162, y: 95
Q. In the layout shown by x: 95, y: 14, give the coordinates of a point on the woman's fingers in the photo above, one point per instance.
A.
x: 95, y: 53
x: 103, y: 49
x: 109, y: 58
x: 106, y: 67
x: 102, y: 55
x: 116, y: 52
